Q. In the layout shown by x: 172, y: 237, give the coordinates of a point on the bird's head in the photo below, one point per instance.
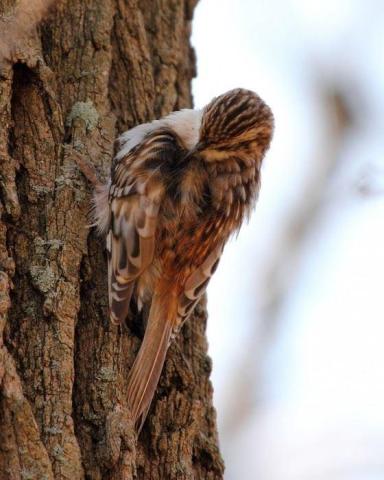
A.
x: 235, y: 122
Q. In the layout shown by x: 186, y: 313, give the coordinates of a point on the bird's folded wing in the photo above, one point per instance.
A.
x: 135, y: 197
x: 196, y: 285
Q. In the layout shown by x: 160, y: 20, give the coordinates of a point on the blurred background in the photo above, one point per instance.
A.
x: 296, y: 327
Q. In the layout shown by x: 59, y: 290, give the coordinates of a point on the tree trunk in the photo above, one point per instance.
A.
x: 89, y: 70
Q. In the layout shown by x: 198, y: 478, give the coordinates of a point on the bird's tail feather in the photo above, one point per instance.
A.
x: 146, y: 370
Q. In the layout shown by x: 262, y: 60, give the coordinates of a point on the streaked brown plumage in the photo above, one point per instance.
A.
x: 179, y: 188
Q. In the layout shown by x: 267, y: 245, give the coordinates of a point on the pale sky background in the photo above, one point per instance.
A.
x: 312, y: 382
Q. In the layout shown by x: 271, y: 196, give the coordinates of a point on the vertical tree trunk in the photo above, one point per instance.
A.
x: 68, y: 87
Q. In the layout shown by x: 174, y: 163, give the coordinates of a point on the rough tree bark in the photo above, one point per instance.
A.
x: 89, y: 70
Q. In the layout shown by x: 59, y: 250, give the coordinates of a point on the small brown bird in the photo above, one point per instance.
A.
x: 179, y: 187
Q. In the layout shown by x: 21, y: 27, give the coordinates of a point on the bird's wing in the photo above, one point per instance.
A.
x: 196, y: 285
x: 135, y: 196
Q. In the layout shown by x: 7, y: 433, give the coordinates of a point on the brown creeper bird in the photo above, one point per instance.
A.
x: 179, y: 187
